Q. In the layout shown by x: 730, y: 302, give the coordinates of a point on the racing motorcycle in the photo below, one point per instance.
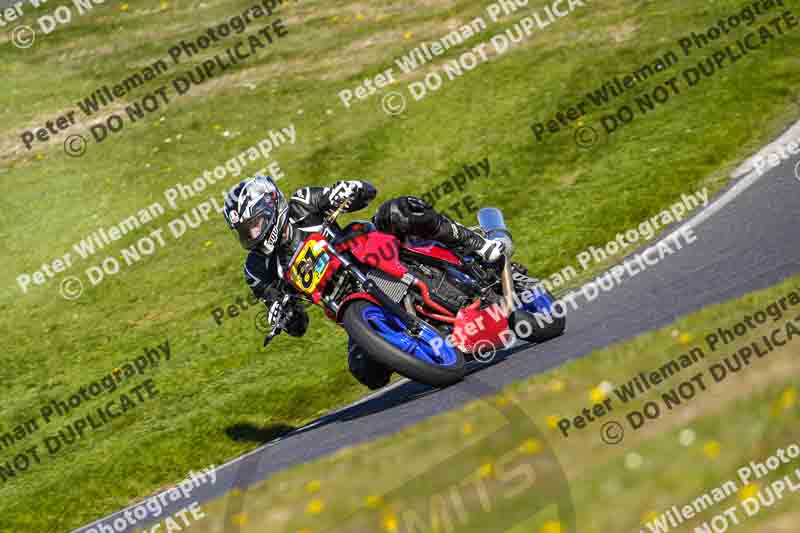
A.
x: 420, y: 308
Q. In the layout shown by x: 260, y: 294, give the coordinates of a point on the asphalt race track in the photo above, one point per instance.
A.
x: 747, y: 239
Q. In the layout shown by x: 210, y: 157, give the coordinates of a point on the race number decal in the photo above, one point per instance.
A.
x: 309, y: 267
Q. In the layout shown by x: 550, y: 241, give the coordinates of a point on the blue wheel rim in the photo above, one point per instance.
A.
x: 541, y: 303
x: 423, y: 346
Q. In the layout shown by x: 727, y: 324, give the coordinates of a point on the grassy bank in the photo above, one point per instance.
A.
x: 220, y: 394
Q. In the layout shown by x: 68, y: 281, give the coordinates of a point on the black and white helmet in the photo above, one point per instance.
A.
x: 257, y: 210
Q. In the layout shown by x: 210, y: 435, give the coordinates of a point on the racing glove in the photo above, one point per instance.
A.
x: 289, y: 316
x: 357, y: 193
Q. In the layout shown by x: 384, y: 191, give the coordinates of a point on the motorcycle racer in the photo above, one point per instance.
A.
x: 271, y: 228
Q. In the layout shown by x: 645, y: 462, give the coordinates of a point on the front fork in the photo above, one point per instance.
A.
x: 373, y: 290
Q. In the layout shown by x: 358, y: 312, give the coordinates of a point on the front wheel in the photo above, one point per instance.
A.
x: 424, y: 357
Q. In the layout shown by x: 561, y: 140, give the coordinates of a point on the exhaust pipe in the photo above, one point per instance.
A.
x: 508, y: 284
x: 492, y: 223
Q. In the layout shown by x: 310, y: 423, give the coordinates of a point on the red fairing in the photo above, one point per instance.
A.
x: 433, y: 250
x: 378, y: 250
x: 475, y: 325
x: 334, y: 267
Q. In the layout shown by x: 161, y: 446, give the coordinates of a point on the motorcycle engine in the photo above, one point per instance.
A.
x: 450, y: 287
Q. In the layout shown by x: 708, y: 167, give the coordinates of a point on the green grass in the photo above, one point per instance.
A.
x: 746, y: 417
x: 558, y: 199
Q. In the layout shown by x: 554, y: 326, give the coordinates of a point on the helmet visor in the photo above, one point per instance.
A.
x: 253, y: 231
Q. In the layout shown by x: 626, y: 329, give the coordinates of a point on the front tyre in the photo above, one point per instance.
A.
x: 425, y: 358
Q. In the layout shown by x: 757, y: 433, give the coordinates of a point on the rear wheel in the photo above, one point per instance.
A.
x: 424, y: 357
x: 524, y: 321
x: 530, y: 329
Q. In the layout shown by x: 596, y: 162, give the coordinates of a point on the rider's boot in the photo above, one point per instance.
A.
x: 454, y: 234
x: 367, y: 371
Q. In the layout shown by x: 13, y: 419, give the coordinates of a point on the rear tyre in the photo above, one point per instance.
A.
x: 426, y: 358
x: 527, y: 328
x: 523, y: 322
